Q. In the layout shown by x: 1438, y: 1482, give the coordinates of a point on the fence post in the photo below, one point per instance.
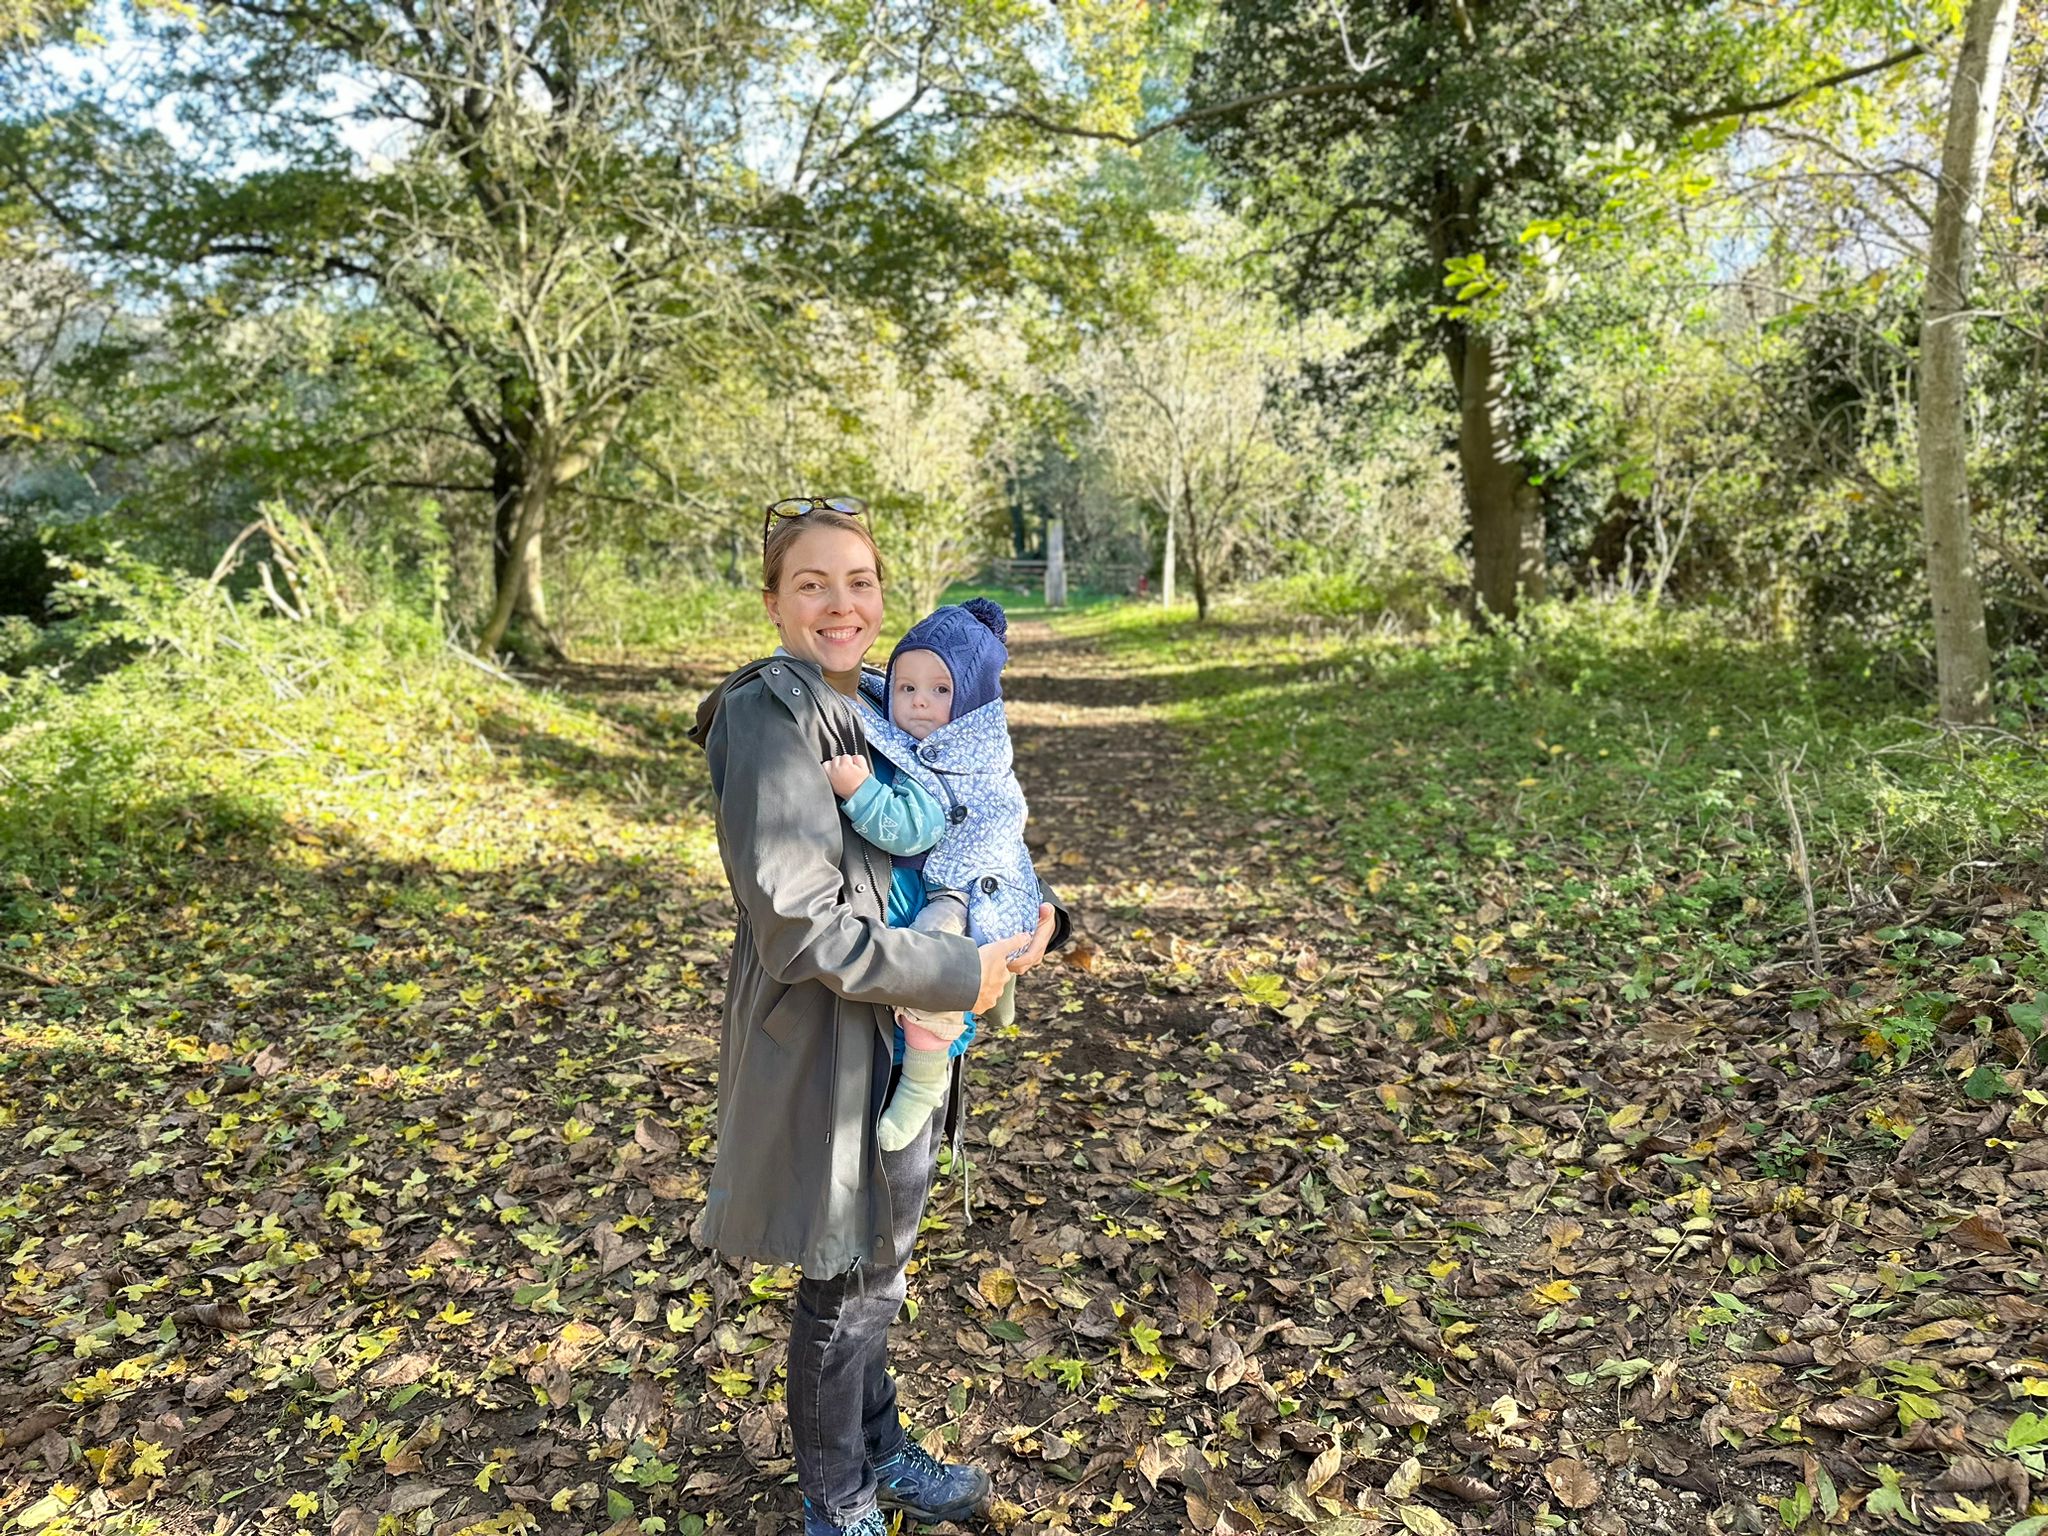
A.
x: 1055, y: 563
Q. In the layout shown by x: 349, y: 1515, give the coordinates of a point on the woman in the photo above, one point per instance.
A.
x: 805, y: 1062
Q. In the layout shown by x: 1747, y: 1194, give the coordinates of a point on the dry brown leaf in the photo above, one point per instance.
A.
x: 633, y: 1412
x: 224, y: 1315
x: 1981, y: 1233
x: 1463, y: 1486
x: 1323, y: 1468
x: 656, y: 1139
x: 1156, y: 1461
x: 1400, y: 1410
x: 1852, y: 1415
x: 1572, y: 1481
x: 1226, y: 1364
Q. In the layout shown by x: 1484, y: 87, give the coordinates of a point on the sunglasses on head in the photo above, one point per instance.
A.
x: 804, y: 506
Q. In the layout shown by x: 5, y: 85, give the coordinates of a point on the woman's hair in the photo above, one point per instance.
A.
x: 788, y: 530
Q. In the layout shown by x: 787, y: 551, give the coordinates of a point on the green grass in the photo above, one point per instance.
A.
x: 1589, y: 802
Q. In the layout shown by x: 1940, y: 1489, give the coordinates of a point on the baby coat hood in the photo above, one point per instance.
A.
x: 968, y: 638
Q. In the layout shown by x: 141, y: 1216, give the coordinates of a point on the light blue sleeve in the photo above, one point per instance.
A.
x: 897, y: 818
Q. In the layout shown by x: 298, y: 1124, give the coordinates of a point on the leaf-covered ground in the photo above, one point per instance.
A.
x: 1344, y: 1178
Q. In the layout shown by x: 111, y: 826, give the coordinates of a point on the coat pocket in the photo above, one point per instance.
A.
x: 788, y: 1017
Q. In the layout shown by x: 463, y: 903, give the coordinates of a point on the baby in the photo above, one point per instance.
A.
x: 943, y: 782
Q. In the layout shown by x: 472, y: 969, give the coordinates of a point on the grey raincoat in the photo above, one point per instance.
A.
x: 804, y: 1062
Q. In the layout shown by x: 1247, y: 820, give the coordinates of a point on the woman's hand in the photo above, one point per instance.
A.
x: 1003, y: 959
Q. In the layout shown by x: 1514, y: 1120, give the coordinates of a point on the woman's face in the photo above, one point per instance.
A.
x: 828, y: 605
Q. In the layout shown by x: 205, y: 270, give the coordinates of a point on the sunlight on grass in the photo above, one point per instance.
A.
x: 1592, y: 796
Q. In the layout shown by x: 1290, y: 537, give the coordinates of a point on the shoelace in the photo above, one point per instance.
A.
x: 916, y: 1459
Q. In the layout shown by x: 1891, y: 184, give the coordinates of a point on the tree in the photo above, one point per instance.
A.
x: 935, y: 489
x: 1962, y: 648
x: 1192, y: 401
x: 576, y: 203
x: 1400, y: 149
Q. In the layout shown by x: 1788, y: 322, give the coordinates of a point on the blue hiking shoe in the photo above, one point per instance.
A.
x: 869, y: 1524
x: 927, y: 1490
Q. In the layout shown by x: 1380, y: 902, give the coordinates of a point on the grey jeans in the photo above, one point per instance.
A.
x: 842, y: 1399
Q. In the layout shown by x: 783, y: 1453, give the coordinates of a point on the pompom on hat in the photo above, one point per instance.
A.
x: 968, y: 638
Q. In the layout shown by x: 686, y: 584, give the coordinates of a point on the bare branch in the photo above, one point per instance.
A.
x: 1730, y: 109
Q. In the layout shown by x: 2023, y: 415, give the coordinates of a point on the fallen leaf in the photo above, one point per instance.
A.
x: 1424, y: 1521
x: 1980, y: 1233
x: 1573, y: 1482
x: 1853, y: 1415
x: 1226, y: 1363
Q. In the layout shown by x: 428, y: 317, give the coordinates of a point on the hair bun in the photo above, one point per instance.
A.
x: 990, y: 613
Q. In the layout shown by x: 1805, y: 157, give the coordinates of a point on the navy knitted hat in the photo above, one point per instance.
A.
x: 968, y: 638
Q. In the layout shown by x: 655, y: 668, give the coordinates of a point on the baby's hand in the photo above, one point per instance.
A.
x: 847, y: 774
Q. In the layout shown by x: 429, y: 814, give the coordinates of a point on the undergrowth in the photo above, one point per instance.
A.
x: 1599, y: 799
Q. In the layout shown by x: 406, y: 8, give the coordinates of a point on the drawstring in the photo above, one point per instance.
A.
x: 958, y: 1109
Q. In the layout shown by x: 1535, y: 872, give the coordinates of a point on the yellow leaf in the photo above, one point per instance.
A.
x: 304, y: 1505
x: 1406, y: 1479
x: 1559, y: 1291
x: 150, y: 1458
x: 1424, y: 1521
x: 1392, y: 1297
x: 997, y: 1286
x: 1967, y: 1511
x: 1376, y: 879
x: 1624, y: 1117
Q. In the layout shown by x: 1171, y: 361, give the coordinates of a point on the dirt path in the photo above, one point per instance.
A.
x: 1333, y: 1272
x: 352, y: 1184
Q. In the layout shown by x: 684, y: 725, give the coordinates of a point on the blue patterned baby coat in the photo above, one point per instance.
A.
x: 966, y: 766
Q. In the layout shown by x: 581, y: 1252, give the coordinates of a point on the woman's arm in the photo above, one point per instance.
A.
x: 778, y: 826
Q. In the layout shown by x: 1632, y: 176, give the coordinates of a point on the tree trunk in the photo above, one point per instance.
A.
x: 517, y: 558
x: 1506, y: 510
x: 519, y: 591
x: 1962, y: 650
x: 1172, y: 556
x: 1187, y: 498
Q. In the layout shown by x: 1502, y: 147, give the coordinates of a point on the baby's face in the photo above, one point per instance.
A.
x: 921, y: 694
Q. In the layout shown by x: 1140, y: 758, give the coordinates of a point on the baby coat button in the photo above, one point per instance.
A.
x: 989, y: 884
x: 958, y: 815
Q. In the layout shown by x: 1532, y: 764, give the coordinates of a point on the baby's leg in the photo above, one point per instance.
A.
x: 921, y: 1088
x: 944, y: 913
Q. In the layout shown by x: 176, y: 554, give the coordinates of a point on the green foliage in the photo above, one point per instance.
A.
x: 1586, y: 799
x: 226, y: 722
